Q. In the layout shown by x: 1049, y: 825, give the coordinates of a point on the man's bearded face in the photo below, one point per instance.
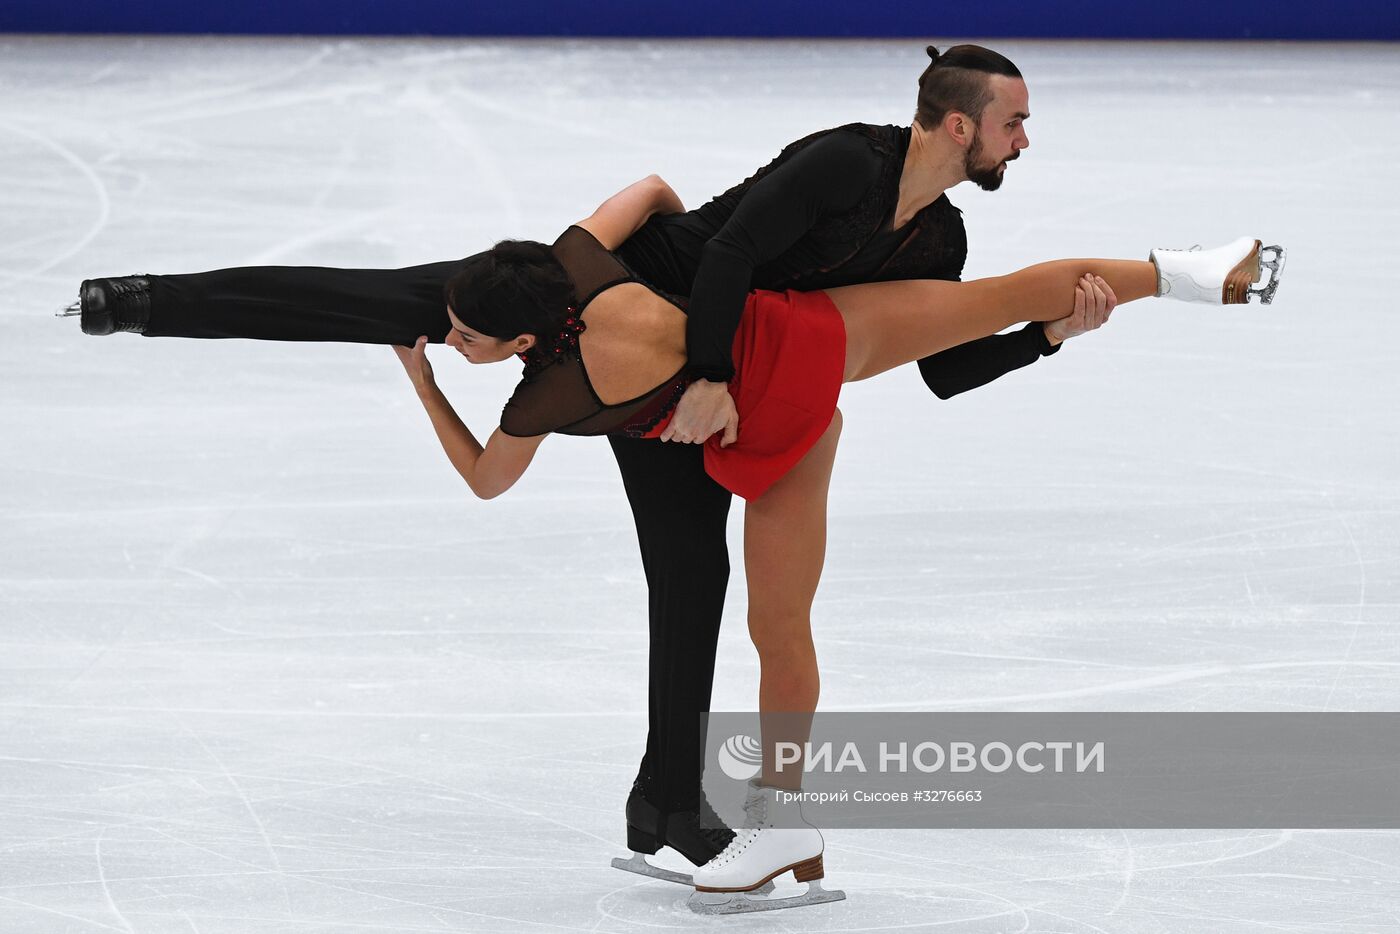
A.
x: 983, y: 170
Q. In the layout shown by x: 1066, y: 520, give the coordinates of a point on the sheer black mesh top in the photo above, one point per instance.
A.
x: 555, y: 394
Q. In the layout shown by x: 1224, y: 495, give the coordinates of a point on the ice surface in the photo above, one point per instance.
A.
x: 265, y: 665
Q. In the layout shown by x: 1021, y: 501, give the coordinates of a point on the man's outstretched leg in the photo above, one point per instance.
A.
x: 291, y: 303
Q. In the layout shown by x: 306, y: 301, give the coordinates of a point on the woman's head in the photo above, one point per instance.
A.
x: 506, y: 300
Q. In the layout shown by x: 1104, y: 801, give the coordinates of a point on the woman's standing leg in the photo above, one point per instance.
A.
x: 784, y: 550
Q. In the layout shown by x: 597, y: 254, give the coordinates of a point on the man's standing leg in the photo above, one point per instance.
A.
x: 681, y: 516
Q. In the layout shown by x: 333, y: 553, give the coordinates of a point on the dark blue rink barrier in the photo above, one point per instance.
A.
x: 926, y: 19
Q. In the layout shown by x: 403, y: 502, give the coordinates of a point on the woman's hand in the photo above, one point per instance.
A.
x: 415, y: 363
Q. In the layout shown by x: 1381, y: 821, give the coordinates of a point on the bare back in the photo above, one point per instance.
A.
x: 635, y: 340
x: 619, y: 363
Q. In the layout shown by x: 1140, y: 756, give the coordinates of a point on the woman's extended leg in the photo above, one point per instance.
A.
x: 892, y: 323
x: 784, y: 548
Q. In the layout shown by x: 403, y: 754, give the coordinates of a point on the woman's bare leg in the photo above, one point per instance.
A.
x: 784, y: 549
x: 893, y: 323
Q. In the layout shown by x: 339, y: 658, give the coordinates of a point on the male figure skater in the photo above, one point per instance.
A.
x: 856, y: 204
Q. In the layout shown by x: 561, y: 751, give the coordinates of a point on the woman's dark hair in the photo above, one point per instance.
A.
x: 516, y: 287
x: 958, y: 80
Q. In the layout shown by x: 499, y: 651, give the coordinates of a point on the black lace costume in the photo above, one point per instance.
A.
x: 822, y: 217
x: 555, y: 393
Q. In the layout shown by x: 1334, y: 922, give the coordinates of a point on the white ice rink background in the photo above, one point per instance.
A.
x: 266, y: 665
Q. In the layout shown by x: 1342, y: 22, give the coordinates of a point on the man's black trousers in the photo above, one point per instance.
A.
x: 680, y: 512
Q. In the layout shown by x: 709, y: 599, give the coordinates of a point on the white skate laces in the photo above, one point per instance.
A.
x: 775, y: 839
x: 1226, y: 275
x: 735, y: 849
x: 755, y: 819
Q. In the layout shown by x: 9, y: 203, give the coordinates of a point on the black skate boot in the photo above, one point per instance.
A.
x: 698, y: 835
x: 111, y: 305
x: 649, y: 828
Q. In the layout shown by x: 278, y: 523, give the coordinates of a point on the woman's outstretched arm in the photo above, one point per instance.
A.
x: 489, y: 470
x: 624, y: 213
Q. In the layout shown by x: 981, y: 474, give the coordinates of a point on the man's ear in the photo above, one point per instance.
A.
x: 959, y: 126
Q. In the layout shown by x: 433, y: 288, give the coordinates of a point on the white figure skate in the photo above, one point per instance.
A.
x: 1222, y: 276
x: 759, y: 853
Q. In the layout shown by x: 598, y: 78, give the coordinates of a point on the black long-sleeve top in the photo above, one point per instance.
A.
x: 819, y: 216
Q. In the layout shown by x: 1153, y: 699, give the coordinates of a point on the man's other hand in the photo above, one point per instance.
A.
x: 1094, y: 301
x: 705, y: 409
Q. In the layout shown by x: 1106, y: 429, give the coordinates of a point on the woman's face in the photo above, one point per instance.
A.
x: 483, y: 348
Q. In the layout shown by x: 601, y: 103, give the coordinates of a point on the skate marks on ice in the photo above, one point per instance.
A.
x: 989, y: 882
x: 40, y: 238
x: 264, y: 665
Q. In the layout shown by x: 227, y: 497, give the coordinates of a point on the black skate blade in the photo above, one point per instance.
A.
x: 638, y: 864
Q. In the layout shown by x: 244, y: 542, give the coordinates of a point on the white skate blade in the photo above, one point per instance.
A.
x: 638, y: 864
x: 1275, y: 266
x: 737, y: 903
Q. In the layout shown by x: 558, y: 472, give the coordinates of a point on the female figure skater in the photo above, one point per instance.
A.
x: 860, y: 203
x: 605, y: 353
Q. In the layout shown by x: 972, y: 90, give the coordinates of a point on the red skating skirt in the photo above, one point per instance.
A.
x: 789, y: 357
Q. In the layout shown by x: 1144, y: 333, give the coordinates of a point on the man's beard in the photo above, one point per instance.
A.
x: 988, y: 178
